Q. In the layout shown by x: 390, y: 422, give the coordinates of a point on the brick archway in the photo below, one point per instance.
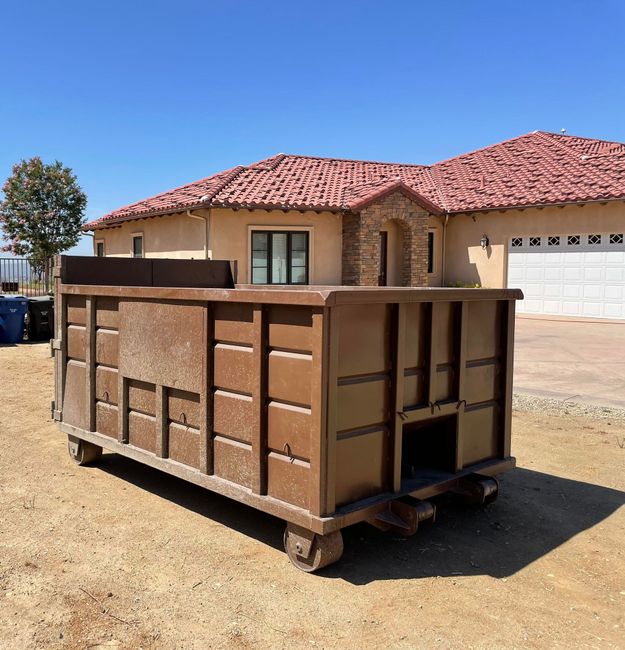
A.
x: 361, y: 241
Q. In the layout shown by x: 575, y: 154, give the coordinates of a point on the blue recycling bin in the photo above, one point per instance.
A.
x: 12, y: 315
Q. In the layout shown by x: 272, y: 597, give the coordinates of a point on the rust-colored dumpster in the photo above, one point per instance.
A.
x: 324, y: 406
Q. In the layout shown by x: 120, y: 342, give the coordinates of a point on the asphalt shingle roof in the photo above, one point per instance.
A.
x: 538, y: 168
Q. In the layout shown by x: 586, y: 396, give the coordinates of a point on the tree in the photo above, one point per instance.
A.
x: 42, y: 211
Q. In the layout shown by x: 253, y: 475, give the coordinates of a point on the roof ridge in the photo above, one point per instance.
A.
x: 433, y: 173
x: 175, y: 189
x: 267, y: 164
x: 547, y: 136
x: 580, y: 137
x: 490, y: 146
x: 228, y: 178
x: 356, y: 160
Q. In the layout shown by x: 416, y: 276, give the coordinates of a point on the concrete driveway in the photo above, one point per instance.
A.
x: 579, y: 361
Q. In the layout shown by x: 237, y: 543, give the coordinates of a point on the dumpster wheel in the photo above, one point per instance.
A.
x: 309, y: 551
x: 83, y: 452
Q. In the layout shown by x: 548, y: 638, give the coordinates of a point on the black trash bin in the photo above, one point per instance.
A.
x: 40, y: 318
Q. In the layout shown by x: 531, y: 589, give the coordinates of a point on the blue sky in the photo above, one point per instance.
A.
x: 141, y: 97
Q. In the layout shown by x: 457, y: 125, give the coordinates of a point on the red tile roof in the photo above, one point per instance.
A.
x: 538, y: 168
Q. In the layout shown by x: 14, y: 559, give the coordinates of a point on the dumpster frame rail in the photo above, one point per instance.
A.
x: 354, y: 513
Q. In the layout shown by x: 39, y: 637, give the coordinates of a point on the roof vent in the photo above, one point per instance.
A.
x: 563, y: 131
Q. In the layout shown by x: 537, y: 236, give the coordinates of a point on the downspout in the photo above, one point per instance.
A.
x: 444, y: 248
x: 206, y: 220
x: 92, y: 235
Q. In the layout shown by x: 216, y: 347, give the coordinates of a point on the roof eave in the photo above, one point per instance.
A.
x: 528, y: 206
x: 114, y: 221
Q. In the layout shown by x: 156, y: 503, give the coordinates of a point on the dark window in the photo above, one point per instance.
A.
x: 594, y: 240
x: 553, y: 241
x: 430, y: 252
x: 137, y: 245
x: 616, y: 238
x: 517, y: 242
x: 99, y: 249
x: 573, y: 240
x: 535, y: 241
x: 279, y: 257
x: 382, y: 279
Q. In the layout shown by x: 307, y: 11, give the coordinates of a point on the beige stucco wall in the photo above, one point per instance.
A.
x: 466, y: 261
x: 179, y: 236
x: 175, y: 236
x: 231, y: 232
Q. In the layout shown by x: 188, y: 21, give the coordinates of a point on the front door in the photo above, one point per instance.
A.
x: 382, y: 273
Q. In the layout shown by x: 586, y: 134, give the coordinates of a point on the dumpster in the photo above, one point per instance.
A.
x: 12, y: 315
x: 323, y: 406
x: 40, y: 323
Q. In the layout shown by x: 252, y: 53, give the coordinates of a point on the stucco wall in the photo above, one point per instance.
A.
x: 176, y: 236
x: 180, y: 236
x: 230, y: 233
x: 466, y: 261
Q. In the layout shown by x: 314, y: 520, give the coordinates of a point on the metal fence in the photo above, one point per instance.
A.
x: 19, y: 276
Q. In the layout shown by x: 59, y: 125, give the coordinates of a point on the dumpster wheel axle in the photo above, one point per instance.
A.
x: 83, y: 452
x: 309, y: 551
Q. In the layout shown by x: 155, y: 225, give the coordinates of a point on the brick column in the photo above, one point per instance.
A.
x: 361, y: 241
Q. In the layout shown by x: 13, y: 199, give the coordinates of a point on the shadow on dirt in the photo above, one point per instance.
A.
x: 534, y: 514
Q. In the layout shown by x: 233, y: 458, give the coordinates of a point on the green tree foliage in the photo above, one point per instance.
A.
x: 42, y: 211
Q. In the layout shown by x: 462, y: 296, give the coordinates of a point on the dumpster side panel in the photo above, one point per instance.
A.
x: 230, y: 389
x: 485, y: 380
x: 417, y: 388
x: 106, y: 361
x: 362, y: 394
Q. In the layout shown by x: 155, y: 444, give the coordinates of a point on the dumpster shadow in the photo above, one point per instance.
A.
x: 244, y: 519
x: 534, y: 514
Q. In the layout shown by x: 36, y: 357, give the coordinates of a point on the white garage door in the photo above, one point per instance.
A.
x: 569, y: 275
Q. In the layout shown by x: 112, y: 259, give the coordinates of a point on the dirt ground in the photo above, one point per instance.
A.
x: 122, y: 556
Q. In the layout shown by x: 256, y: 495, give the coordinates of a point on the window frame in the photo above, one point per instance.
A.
x: 431, y: 252
x: 133, y: 236
x: 98, y: 242
x: 289, y: 232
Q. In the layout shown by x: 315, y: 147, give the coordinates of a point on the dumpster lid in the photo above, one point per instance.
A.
x: 146, y: 272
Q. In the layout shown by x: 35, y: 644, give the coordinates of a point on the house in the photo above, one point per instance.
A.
x: 543, y: 212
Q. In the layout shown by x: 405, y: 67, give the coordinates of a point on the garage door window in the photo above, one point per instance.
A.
x: 594, y: 240
x: 534, y: 241
x: 517, y: 242
x: 573, y: 240
x: 553, y: 241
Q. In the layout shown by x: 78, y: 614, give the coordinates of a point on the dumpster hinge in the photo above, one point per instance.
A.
x: 56, y: 415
